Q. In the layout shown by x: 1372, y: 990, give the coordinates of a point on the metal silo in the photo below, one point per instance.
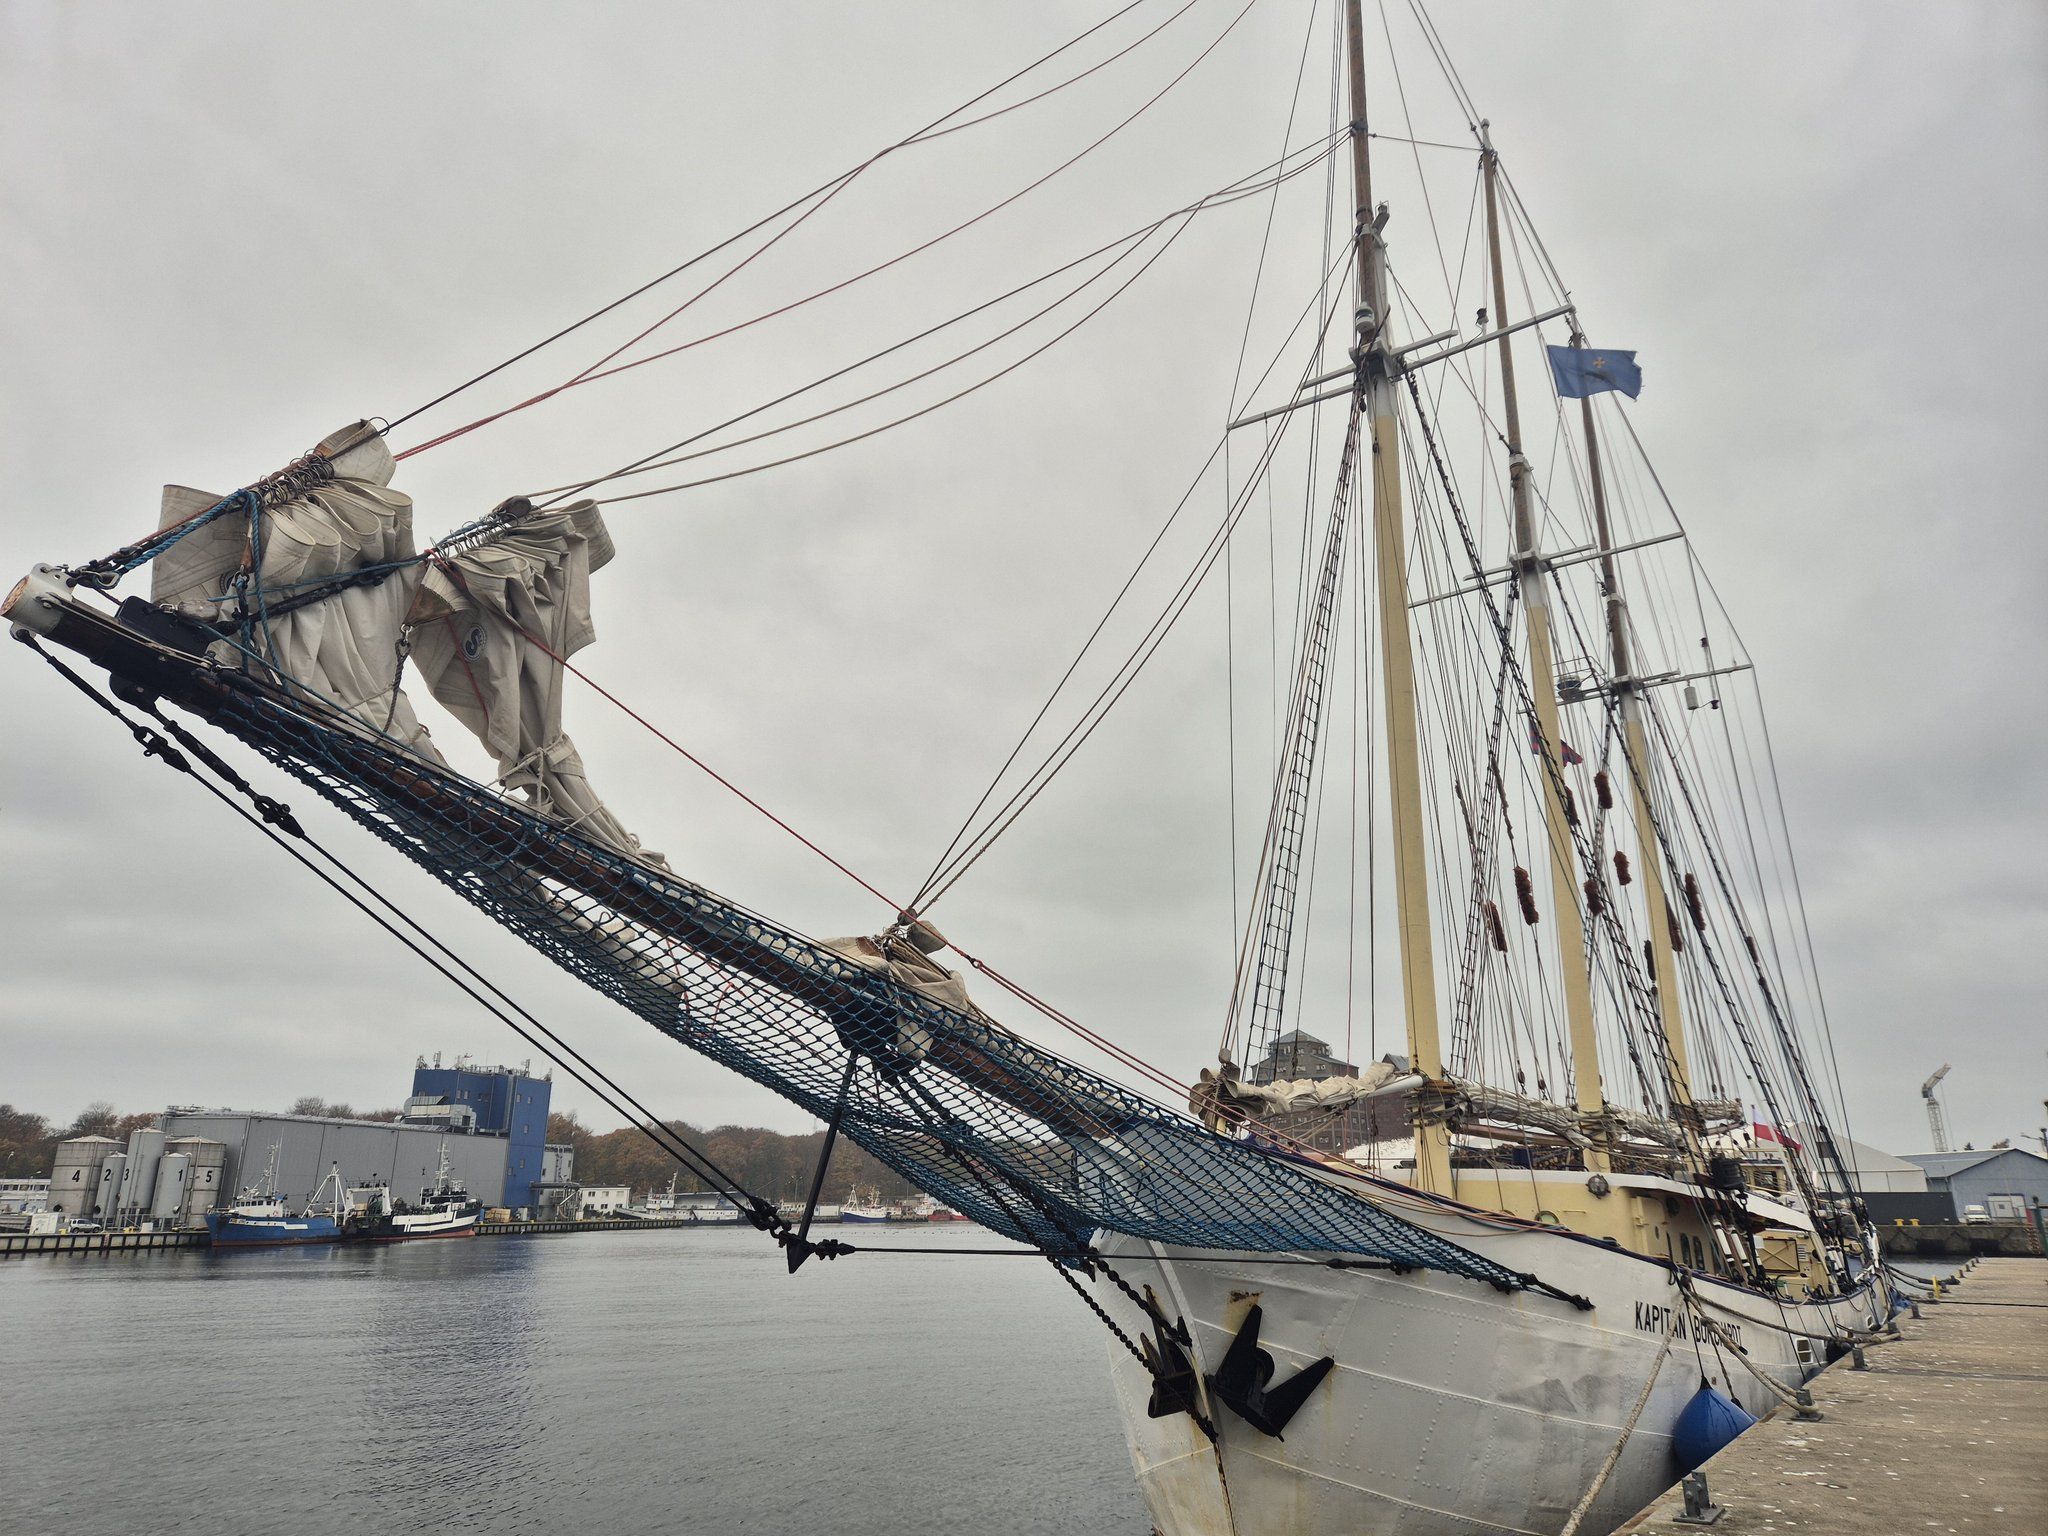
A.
x: 145, y: 1150
x: 75, y: 1173
x: 106, y: 1199
x: 208, y: 1174
x: 173, y: 1184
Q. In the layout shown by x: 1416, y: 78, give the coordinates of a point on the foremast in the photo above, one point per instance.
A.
x: 1380, y: 407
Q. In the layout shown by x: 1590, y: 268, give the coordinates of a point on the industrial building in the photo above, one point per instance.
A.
x: 500, y: 1101
x: 1295, y: 1056
x: 2009, y: 1182
x: 22, y: 1196
x: 490, y: 1121
x: 598, y: 1200
x: 1877, y: 1172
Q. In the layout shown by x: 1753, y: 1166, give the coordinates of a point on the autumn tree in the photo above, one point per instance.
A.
x: 28, y: 1144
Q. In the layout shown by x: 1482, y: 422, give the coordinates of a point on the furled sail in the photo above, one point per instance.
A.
x: 1287, y: 1094
x: 345, y: 519
x: 488, y: 626
x: 491, y: 629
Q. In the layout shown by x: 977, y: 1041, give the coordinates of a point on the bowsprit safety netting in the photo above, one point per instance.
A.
x: 1028, y: 1144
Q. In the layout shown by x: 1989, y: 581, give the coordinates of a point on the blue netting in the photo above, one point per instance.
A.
x: 1027, y: 1143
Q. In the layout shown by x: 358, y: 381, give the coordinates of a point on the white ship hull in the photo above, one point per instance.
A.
x: 1453, y: 1407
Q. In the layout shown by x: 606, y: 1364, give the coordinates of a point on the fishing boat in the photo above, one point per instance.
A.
x: 1512, y: 1277
x: 259, y: 1218
x: 660, y: 1204
x: 863, y: 1207
x: 444, y: 1209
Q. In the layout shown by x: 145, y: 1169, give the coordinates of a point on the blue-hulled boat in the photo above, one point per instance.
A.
x: 259, y: 1218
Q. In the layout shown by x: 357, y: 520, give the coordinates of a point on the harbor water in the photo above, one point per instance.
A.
x: 621, y: 1381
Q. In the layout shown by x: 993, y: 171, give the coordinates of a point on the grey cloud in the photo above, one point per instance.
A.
x: 230, y: 230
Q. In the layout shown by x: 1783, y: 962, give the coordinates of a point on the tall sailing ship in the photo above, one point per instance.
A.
x: 1492, y: 1282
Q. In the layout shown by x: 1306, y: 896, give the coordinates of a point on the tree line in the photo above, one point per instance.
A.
x: 766, y: 1163
x: 28, y: 1142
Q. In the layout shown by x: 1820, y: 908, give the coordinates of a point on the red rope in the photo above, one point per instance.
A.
x: 1156, y: 1075
x: 591, y: 373
x: 698, y: 762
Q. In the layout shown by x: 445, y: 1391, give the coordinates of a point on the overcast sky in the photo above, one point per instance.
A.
x: 230, y: 229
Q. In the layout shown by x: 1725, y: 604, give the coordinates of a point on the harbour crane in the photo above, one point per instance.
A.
x: 1935, y: 1121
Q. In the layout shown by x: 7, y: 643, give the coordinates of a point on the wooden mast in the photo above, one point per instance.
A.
x: 1572, y: 959
x: 1404, y: 752
x: 1636, y: 745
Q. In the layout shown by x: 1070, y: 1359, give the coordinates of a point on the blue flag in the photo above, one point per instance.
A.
x: 1583, y: 371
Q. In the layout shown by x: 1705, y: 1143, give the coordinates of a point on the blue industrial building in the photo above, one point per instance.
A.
x: 490, y: 1101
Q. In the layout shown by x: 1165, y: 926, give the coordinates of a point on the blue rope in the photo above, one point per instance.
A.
x: 105, y: 573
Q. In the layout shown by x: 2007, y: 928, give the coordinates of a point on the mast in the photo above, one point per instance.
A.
x: 1397, y: 659
x: 1573, y: 965
x: 1635, y: 743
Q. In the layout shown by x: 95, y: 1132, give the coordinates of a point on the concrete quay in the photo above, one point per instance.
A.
x: 16, y: 1244
x: 1945, y: 1430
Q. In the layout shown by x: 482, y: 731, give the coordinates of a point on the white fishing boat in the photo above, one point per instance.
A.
x: 1512, y: 1278
x: 444, y: 1209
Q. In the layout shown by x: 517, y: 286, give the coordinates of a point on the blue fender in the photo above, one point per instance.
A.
x: 1705, y: 1425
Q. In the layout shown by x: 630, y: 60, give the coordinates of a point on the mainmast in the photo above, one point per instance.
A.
x: 1635, y: 745
x: 1573, y: 961
x: 1397, y: 659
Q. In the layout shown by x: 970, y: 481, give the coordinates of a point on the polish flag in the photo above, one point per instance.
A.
x: 1764, y: 1132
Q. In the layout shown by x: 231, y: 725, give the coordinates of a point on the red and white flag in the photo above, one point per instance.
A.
x: 1764, y: 1132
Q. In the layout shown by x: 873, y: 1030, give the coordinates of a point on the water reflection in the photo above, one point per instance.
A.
x: 672, y: 1381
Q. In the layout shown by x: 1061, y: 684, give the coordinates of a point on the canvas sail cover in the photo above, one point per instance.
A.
x: 492, y: 626
x: 1315, y: 1093
x: 480, y: 624
x: 343, y: 649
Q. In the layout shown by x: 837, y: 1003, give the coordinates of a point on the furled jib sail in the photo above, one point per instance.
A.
x: 487, y: 627
x: 1028, y: 1143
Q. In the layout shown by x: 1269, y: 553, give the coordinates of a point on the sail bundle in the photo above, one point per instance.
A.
x: 333, y: 602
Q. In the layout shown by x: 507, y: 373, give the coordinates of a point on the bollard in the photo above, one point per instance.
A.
x: 1804, y: 1409
x: 1700, y: 1509
x: 1914, y: 1308
x: 1858, y: 1363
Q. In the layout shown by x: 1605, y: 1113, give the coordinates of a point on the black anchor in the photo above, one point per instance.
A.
x: 1241, y: 1381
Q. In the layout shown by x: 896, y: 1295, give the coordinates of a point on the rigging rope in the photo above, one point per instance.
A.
x: 824, y: 187
x: 276, y: 822
x: 590, y: 374
x: 962, y: 855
